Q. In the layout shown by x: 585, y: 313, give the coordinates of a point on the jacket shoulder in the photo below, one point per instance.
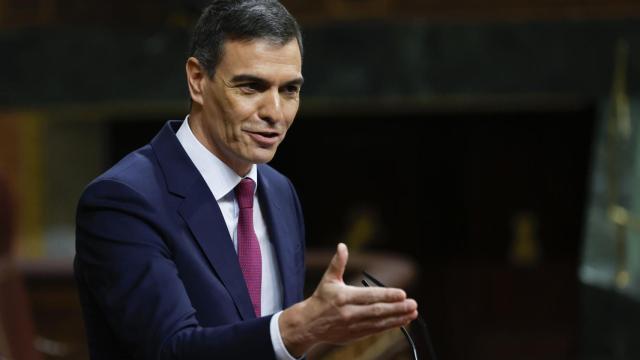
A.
x: 274, y: 176
x: 137, y: 171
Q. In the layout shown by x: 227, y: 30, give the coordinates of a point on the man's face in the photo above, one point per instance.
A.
x: 249, y: 104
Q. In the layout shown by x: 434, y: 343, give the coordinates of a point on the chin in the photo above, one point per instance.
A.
x: 262, y: 157
x: 262, y: 160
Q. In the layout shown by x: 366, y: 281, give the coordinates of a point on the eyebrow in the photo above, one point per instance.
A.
x: 252, y: 78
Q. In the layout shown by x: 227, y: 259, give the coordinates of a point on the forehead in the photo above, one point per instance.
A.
x: 261, y: 58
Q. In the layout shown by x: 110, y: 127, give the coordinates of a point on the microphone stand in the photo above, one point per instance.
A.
x: 405, y: 332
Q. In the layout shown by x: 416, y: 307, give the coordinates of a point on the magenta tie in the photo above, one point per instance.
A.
x: 248, y: 246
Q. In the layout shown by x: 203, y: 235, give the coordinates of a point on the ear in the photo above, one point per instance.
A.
x: 196, y: 78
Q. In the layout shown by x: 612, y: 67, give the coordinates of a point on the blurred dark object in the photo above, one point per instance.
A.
x: 610, y: 264
x: 38, y: 13
x: 609, y: 325
x: 56, y: 309
x: 196, y: 6
x: 446, y: 186
x: 6, y: 218
x: 16, y: 326
x: 490, y: 311
x: 19, y: 337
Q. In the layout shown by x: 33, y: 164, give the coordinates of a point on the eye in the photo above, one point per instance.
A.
x: 249, y: 88
x: 292, y: 89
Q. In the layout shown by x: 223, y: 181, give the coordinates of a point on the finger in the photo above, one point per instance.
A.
x: 359, y: 313
x: 373, y: 326
x: 336, y: 268
x: 370, y: 295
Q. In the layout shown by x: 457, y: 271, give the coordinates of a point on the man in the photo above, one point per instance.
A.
x: 188, y: 246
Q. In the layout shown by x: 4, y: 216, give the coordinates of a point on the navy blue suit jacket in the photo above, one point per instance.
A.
x: 157, y: 272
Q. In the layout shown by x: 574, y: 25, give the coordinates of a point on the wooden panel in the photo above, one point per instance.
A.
x: 8, y: 182
x: 456, y: 10
x: 520, y: 10
x: 20, y: 13
x: 20, y: 165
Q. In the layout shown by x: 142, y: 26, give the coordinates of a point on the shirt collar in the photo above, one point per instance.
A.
x: 220, y: 178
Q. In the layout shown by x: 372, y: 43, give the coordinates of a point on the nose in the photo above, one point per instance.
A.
x: 271, y: 106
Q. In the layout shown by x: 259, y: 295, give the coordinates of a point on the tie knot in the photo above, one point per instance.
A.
x: 244, y: 193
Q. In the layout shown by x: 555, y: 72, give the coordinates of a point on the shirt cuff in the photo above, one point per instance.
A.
x: 276, y: 339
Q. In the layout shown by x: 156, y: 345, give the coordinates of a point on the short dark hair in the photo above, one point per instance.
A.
x: 240, y: 20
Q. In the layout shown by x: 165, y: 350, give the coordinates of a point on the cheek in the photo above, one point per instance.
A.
x: 232, y: 121
x: 230, y: 124
x: 290, y: 112
x: 237, y: 112
x: 238, y: 103
x: 232, y: 109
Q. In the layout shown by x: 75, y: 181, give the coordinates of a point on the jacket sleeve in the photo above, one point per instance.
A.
x: 130, y: 277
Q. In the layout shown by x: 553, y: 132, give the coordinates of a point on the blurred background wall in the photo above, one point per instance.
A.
x: 495, y: 143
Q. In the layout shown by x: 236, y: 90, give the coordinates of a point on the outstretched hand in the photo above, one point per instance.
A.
x: 338, y: 313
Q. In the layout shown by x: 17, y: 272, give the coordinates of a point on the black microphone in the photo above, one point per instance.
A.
x: 405, y: 332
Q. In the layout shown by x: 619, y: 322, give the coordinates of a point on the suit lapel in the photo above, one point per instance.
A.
x: 200, y: 211
x: 202, y: 214
x: 276, y: 219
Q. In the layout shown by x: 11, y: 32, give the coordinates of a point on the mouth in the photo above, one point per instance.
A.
x: 264, y: 138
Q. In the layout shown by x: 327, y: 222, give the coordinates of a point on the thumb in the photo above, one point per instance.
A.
x: 338, y: 263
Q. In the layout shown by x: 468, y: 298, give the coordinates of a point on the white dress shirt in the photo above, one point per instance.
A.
x: 222, y: 180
